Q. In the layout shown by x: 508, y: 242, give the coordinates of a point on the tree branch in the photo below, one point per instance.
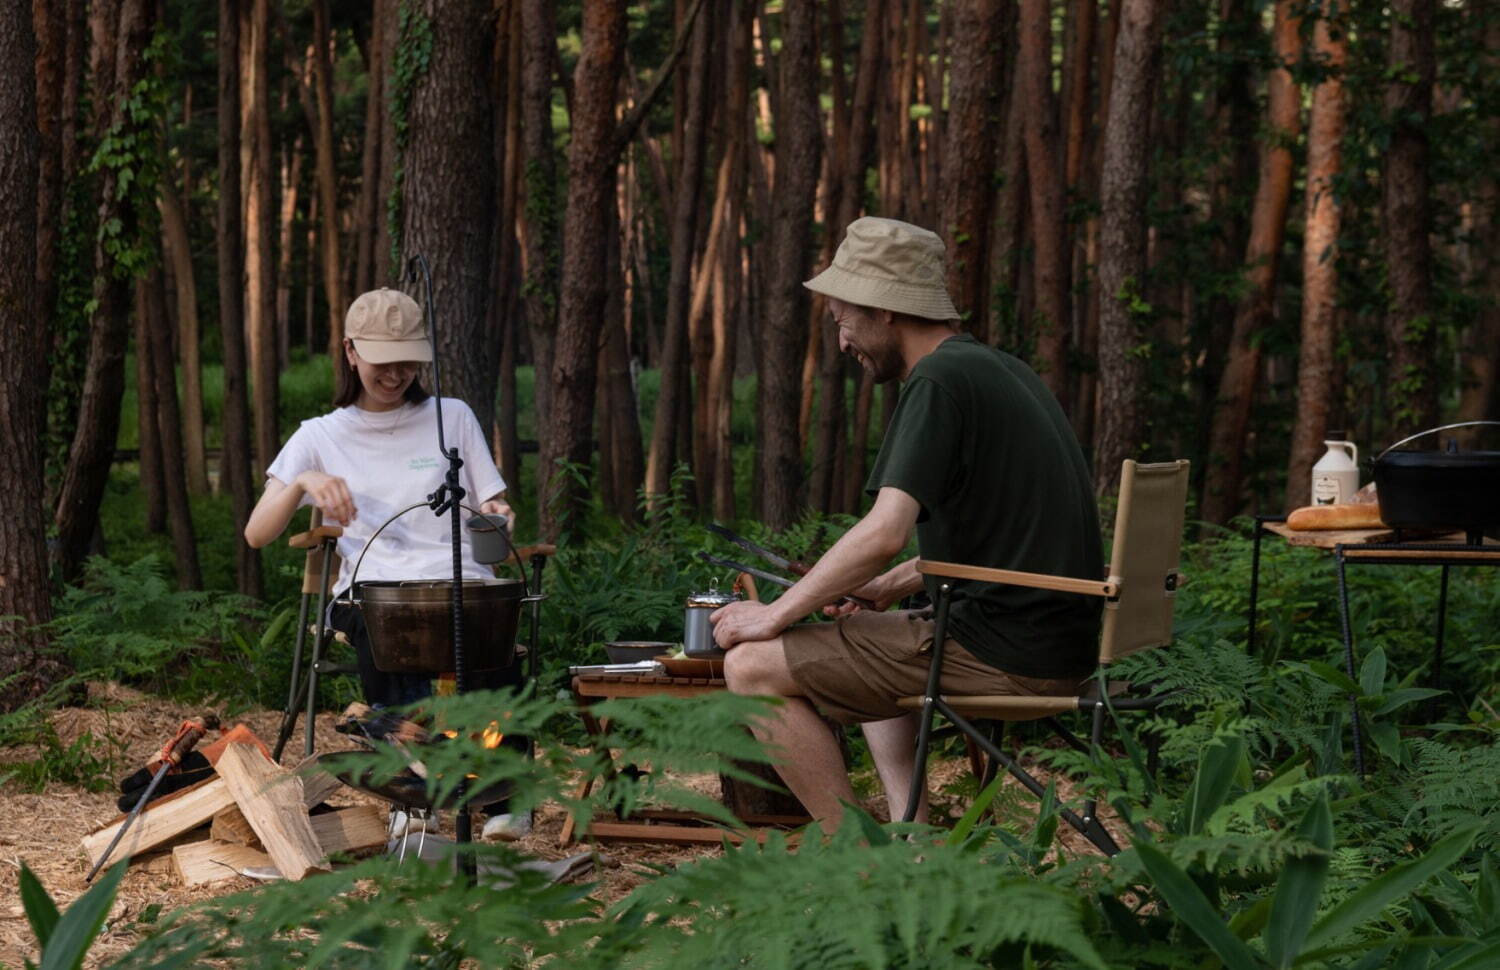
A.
x: 628, y: 125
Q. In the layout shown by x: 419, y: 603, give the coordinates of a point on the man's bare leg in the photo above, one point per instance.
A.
x: 810, y: 761
x: 893, y: 745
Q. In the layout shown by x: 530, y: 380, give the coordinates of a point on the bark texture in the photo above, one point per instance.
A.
x: 1236, y: 397
x: 328, y: 185
x: 1315, y: 363
x: 25, y: 598
x: 1122, y: 240
x: 449, y: 205
x: 541, y: 239
x: 798, y: 141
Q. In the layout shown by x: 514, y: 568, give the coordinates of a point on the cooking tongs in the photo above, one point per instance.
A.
x: 795, y: 567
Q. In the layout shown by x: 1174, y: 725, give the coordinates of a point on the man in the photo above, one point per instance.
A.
x: 981, y: 461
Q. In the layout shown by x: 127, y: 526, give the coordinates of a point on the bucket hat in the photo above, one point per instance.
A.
x: 386, y: 326
x: 890, y: 265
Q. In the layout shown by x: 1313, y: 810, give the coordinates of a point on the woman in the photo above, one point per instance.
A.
x: 375, y: 454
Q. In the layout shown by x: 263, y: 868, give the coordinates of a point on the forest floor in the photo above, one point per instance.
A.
x: 44, y: 829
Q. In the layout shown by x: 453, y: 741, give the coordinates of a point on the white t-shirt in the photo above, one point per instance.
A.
x: 390, y: 460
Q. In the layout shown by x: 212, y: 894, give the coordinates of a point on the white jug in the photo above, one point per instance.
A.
x: 1335, y: 478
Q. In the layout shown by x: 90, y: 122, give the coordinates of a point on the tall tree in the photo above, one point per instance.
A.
x: 178, y: 251
x: 51, y: 37
x: 328, y: 185
x: 369, y: 208
x: 1273, y: 192
x: 798, y: 140
x: 541, y: 242
x: 968, y: 155
x: 449, y: 190
x: 1411, y: 329
x: 260, y: 221
x: 672, y: 406
x: 1047, y: 170
x: 591, y: 158
x: 157, y: 349
x: 1320, y: 259
x: 148, y: 428
x: 1479, y: 398
x: 118, y: 39
x: 25, y: 599
x: 234, y: 471
x: 1122, y: 239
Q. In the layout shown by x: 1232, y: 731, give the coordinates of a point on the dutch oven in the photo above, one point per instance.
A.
x: 410, y: 623
x: 1441, y: 489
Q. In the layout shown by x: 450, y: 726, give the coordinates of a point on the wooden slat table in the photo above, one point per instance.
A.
x: 1374, y: 547
x: 656, y: 825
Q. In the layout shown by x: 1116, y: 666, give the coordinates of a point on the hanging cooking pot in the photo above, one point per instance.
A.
x: 411, y: 620
x: 1440, y: 489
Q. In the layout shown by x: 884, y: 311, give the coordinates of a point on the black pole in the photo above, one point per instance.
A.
x: 447, y: 500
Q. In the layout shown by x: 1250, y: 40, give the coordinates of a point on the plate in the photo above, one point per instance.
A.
x: 692, y: 667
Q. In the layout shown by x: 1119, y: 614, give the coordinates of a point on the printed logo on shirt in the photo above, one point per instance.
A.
x: 422, y: 464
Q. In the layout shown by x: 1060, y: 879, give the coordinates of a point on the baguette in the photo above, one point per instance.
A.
x: 1323, y: 517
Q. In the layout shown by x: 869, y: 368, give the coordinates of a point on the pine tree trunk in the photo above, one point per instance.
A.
x: 25, y: 595
x: 591, y: 172
x: 234, y: 470
x: 1047, y: 169
x: 798, y: 139
x: 260, y: 283
x: 328, y: 186
x: 51, y: 38
x: 1320, y: 264
x: 1478, y: 397
x: 291, y: 183
x: 504, y: 311
x: 368, y: 206
x: 119, y: 35
x: 158, y: 346
x: 1122, y: 240
x: 449, y: 191
x: 178, y: 252
x: 1236, y: 397
x: 969, y: 156
x: 671, y: 406
x: 542, y: 241
x: 386, y: 270
x: 147, y: 421
x: 1411, y: 330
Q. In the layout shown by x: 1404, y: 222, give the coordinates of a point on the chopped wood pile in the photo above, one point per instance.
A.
x: 254, y: 816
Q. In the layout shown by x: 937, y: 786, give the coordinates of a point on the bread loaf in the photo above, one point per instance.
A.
x: 1323, y: 517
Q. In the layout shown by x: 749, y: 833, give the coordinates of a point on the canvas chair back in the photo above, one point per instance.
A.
x: 1145, y: 558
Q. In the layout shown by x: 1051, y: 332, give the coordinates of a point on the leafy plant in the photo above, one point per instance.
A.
x: 65, y: 938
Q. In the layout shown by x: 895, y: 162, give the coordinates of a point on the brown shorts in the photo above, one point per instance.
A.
x: 855, y: 668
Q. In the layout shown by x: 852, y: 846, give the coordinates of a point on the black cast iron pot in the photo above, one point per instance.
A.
x: 1455, y: 490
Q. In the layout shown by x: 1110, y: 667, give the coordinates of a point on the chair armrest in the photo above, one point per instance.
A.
x: 1064, y: 584
x: 536, y: 549
x: 315, y: 536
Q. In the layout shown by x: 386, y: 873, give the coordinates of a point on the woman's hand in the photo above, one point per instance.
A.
x: 498, y: 507
x: 329, y: 493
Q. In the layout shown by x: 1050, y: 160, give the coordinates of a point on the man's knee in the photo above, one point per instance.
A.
x: 758, y: 667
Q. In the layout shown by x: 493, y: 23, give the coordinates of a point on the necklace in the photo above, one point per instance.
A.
x: 401, y: 412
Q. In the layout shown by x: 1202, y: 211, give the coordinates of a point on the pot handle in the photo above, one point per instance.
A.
x: 354, y: 577
x: 1419, y: 434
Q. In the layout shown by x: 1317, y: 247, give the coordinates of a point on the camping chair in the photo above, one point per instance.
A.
x: 1138, y: 598
x: 318, y: 568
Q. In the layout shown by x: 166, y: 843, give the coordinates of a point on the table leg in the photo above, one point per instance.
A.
x: 1437, y: 655
x: 1359, y: 754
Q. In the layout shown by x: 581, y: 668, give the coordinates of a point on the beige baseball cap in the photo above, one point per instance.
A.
x: 386, y: 326
x: 891, y: 265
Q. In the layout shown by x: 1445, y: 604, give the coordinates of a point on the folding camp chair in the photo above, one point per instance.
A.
x: 318, y: 569
x: 1138, y: 597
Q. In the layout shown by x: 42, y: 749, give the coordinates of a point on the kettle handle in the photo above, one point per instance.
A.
x: 1446, y: 427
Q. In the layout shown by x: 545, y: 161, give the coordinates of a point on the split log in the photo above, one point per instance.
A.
x: 162, y: 820
x: 270, y: 798
x: 210, y: 861
x: 230, y: 826
x: 354, y: 831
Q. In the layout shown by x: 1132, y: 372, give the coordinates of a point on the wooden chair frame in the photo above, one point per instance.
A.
x: 1139, y: 594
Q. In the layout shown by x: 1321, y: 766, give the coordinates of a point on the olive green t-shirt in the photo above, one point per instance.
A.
x: 981, y: 443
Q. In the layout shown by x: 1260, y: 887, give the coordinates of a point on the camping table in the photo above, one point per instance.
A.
x: 656, y: 826
x: 1372, y: 547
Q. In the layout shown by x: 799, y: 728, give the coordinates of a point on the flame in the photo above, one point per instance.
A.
x: 492, y: 737
x: 450, y: 734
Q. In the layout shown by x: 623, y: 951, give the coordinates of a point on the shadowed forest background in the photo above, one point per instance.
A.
x: 1215, y: 229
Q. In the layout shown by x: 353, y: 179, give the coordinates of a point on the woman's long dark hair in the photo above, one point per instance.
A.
x: 346, y: 386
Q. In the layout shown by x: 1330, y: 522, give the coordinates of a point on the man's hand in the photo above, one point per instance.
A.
x: 497, y: 507
x: 875, y: 591
x: 329, y: 493
x: 745, y: 621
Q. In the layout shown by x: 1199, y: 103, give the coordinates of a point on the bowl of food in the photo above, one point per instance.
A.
x: 632, y: 651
